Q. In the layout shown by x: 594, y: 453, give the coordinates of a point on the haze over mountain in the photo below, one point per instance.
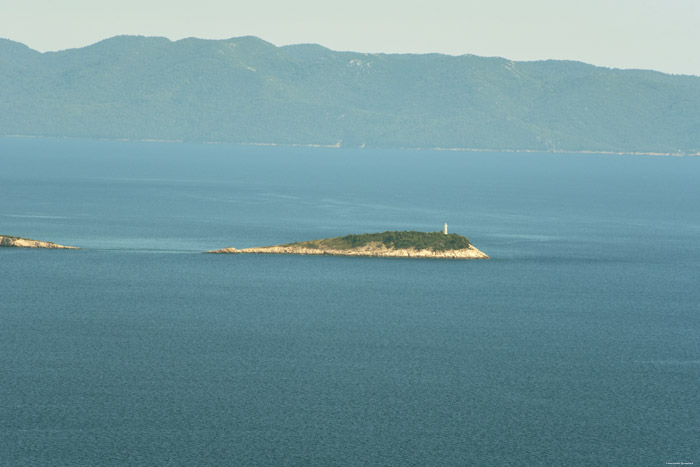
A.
x: 246, y: 90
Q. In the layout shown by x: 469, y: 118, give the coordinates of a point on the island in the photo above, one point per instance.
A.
x: 18, y: 242
x: 404, y: 244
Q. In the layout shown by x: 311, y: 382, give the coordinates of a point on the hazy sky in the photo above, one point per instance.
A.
x: 653, y: 34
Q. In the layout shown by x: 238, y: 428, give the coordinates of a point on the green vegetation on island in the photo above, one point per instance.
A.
x: 246, y: 90
x: 405, y: 244
x: 405, y: 240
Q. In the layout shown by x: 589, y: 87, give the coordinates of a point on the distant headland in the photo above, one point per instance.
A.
x: 404, y: 244
x: 18, y: 242
x: 309, y: 95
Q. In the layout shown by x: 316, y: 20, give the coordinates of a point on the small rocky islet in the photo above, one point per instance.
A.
x: 19, y: 242
x: 395, y: 244
x: 390, y: 244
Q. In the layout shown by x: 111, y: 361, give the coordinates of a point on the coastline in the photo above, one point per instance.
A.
x: 7, y: 241
x: 371, y: 250
x: 339, y: 145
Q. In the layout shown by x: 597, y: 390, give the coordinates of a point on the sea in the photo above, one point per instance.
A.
x: 577, y: 343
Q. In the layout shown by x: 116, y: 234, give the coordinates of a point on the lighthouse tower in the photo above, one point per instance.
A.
x: 444, y: 230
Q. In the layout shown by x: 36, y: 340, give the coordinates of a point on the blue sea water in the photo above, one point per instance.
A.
x: 577, y: 344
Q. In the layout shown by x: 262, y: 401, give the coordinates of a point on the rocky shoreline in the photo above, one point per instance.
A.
x: 372, y: 250
x: 18, y: 242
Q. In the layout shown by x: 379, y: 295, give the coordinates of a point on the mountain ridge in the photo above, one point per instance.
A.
x: 247, y: 90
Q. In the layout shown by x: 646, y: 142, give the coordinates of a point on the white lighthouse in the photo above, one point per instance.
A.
x: 444, y: 230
